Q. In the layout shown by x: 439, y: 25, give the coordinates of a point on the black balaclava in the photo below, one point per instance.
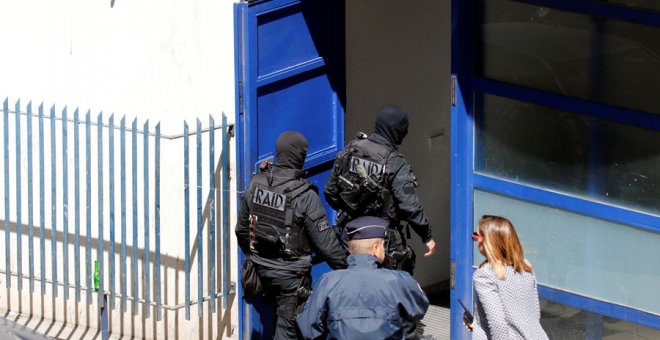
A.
x: 291, y: 150
x: 392, y: 123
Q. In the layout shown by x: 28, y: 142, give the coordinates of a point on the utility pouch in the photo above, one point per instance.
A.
x: 268, y: 243
x: 360, y: 198
x: 249, y: 278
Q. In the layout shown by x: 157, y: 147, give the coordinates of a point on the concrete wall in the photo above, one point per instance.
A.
x: 399, y: 52
x: 165, y: 61
x: 151, y: 59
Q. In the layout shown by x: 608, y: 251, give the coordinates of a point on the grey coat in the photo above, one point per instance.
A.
x: 506, y: 309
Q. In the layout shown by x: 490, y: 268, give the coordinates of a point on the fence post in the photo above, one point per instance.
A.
x: 145, y: 166
x: 225, y: 212
x: 88, y: 207
x: 200, y: 263
x: 157, y: 220
x: 101, y: 297
x: 212, y: 212
x: 53, y: 195
x: 135, y: 218
x: 65, y: 203
x: 111, y: 183
x: 19, y: 224
x: 30, y: 197
x: 5, y: 109
x: 104, y: 319
x: 42, y: 194
x: 124, y: 268
x: 186, y: 210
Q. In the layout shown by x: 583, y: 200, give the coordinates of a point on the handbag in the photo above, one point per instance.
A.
x: 250, y: 278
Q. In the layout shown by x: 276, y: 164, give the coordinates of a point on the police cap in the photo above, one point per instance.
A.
x: 366, y: 227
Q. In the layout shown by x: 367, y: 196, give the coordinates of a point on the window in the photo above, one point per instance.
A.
x: 571, y: 54
x: 563, y: 151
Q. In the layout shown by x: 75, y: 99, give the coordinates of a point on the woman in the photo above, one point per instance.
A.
x: 507, y: 302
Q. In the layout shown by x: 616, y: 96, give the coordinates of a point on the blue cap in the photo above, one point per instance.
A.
x: 366, y: 227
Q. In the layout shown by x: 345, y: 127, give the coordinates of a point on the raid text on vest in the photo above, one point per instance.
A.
x: 372, y: 168
x: 269, y: 199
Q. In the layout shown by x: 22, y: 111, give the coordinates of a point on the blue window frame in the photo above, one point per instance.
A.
x: 468, y: 86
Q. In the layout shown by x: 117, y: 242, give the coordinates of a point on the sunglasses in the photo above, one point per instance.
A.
x: 476, y: 236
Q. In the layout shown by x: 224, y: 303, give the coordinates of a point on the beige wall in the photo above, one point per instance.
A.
x: 399, y: 52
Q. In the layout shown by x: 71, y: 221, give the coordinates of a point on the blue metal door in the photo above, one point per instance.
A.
x: 290, y: 76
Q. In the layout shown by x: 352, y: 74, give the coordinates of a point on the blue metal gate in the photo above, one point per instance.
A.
x: 290, y: 74
x: 127, y: 291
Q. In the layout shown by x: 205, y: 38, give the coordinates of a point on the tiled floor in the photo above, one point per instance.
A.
x: 435, y: 324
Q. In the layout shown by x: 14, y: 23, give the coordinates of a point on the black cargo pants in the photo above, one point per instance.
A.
x: 287, y: 291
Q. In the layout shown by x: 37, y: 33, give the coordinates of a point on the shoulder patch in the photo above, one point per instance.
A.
x: 323, y: 225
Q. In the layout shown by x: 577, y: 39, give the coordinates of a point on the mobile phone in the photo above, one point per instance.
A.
x: 467, y: 316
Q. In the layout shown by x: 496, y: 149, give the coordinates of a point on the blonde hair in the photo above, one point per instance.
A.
x: 502, y: 246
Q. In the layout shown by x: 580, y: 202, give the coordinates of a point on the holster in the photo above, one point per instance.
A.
x: 399, y: 256
x: 402, y: 260
x: 288, y: 307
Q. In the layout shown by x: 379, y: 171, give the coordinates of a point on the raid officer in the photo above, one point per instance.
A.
x: 371, y: 177
x: 281, y: 221
x: 363, y: 301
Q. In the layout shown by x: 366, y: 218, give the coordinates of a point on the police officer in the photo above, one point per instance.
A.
x: 371, y: 177
x: 281, y: 221
x: 363, y: 301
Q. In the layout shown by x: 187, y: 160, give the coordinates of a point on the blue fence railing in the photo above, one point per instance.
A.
x: 103, y: 196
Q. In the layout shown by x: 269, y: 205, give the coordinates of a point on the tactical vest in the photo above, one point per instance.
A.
x: 364, y: 166
x: 274, y: 232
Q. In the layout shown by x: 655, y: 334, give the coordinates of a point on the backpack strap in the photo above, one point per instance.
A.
x: 300, y: 188
x: 292, y: 191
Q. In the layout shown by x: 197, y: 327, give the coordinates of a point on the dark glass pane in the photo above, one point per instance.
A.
x: 572, y: 54
x: 564, y: 322
x: 568, y: 152
x: 640, y: 4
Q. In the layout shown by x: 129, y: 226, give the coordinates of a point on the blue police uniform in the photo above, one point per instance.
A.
x: 364, y: 301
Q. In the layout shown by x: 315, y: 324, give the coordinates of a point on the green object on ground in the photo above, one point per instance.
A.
x: 96, y: 275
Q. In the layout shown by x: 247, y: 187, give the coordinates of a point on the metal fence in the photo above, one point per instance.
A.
x: 60, y: 272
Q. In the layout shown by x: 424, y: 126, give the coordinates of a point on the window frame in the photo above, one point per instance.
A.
x: 465, y: 179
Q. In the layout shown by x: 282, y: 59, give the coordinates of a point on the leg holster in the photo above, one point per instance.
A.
x: 290, y: 306
x: 287, y: 307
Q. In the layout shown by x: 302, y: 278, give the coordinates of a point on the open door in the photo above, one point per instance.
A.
x: 290, y: 76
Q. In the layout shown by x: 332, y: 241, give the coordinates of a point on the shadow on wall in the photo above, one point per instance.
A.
x: 55, y: 316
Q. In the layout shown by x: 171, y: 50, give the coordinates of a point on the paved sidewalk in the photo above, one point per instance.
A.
x: 12, y: 330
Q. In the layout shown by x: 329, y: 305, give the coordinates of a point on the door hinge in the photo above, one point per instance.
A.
x: 452, y: 274
x: 453, y: 90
